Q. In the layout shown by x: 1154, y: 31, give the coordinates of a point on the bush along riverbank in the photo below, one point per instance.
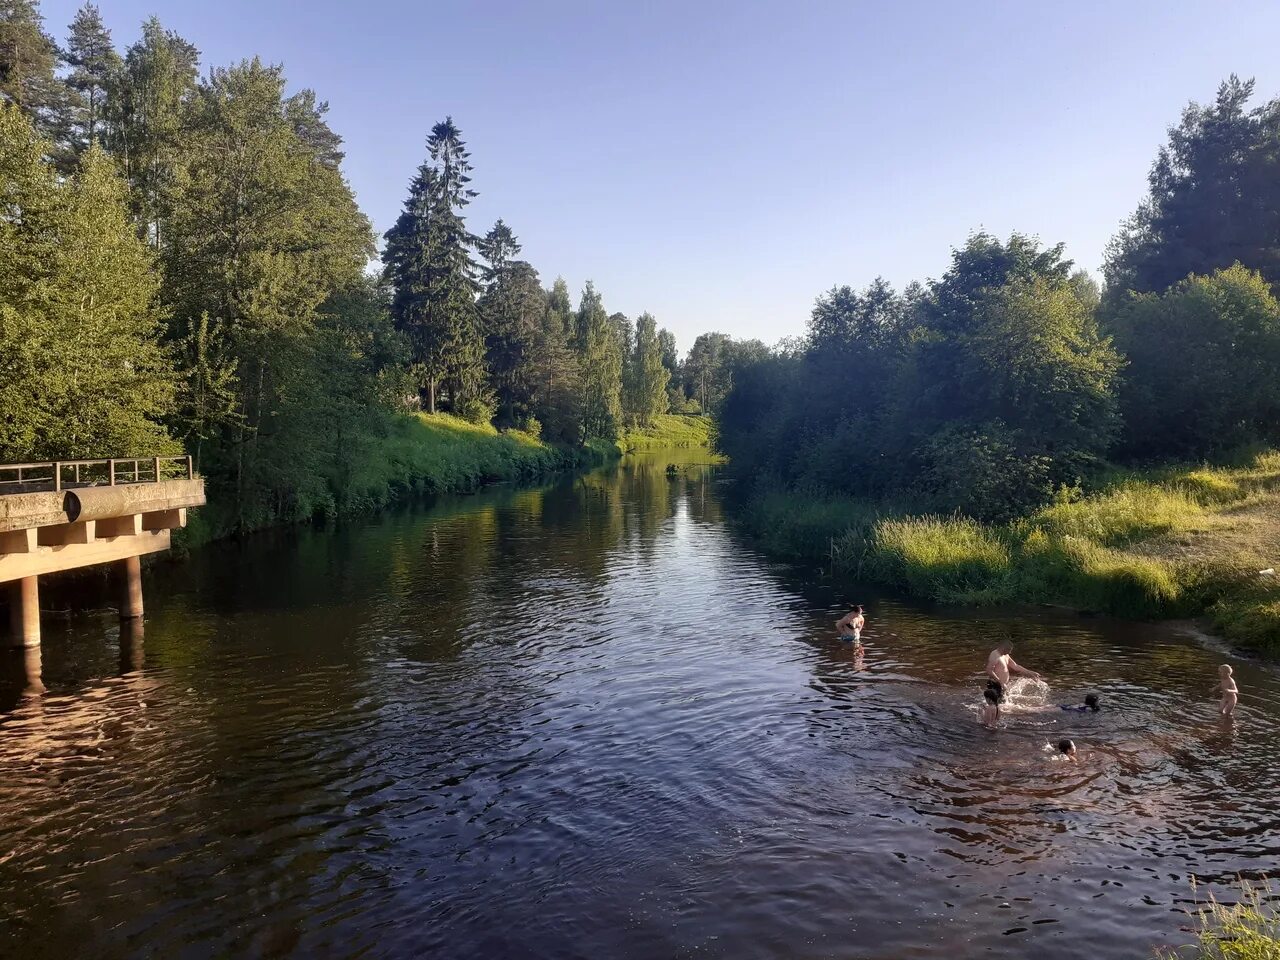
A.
x: 669, y: 431
x: 417, y: 455
x: 1174, y: 542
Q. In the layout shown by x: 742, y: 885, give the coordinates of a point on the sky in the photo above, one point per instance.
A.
x: 721, y: 164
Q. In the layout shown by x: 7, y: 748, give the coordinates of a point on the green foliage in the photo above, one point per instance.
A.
x: 1203, y: 361
x: 645, y: 397
x: 984, y: 392
x: 670, y: 431
x: 1246, y: 930
x: 1214, y: 198
x: 82, y: 373
x: 938, y: 558
x: 512, y: 309
x: 1165, y: 542
x: 28, y: 59
x: 94, y: 64
x: 429, y: 263
x: 601, y: 366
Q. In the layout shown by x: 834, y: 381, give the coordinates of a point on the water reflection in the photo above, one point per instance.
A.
x: 589, y: 720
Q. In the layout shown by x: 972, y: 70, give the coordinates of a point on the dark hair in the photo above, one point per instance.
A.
x: 992, y: 695
x: 1091, y: 701
x: 1065, y: 746
x: 1005, y: 645
x: 857, y: 608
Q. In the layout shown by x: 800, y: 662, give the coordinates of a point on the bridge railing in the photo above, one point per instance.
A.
x: 69, y: 474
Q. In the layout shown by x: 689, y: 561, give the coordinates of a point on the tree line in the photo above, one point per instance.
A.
x: 183, y: 264
x: 1013, y: 378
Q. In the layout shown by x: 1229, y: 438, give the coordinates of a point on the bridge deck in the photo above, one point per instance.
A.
x: 60, y: 515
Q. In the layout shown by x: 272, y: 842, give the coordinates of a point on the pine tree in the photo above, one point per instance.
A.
x: 145, y: 107
x: 429, y: 263
x: 82, y: 373
x: 28, y: 61
x: 94, y: 65
x: 601, y: 359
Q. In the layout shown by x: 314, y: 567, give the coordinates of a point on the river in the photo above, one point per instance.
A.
x: 592, y: 721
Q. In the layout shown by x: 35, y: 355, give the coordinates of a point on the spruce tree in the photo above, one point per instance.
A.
x: 511, y: 308
x: 94, y: 65
x: 429, y: 263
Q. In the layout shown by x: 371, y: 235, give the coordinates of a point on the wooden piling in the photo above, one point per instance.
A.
x: 24, y: 613
x: 130, y: 588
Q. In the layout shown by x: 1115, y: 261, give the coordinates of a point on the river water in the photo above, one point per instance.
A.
x: 592, y: 721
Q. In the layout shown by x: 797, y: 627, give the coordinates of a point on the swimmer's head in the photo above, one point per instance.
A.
x: 992, y: 695
x: 1091, y: 701
x: 1067, y: 748
x: 1225, y: 670
x: 857, y: 608
x: 1006, y: 646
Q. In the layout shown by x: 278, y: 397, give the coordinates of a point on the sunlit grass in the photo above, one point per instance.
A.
x: 1169, y: 542
x: 669, y: 431
x: 1247, y: 930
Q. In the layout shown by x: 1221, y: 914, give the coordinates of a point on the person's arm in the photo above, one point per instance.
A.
x: 844, y: 621
x: 1015, y: 668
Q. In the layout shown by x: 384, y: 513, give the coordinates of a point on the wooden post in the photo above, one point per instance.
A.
x: 130, y: 588
x: 131, y: 649
x: 57, y: 476
x: 111, y: 467
x: 191, y: 470
x: 24, y: 612
x: 155, y: 469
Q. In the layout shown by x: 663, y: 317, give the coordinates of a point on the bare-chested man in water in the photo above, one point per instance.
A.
x: 1001, y: 664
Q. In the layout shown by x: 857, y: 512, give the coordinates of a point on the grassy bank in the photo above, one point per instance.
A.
x: 429, y: 453
x: 1170, y: 543
x: 668, y: 431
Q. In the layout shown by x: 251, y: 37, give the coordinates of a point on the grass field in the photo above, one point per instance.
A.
x: 1169, y: 543
x: 669, y: 430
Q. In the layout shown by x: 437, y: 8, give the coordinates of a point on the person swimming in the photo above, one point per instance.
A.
x: 1067, y: 749
x: 850, y: 625
x: 1090, y: 705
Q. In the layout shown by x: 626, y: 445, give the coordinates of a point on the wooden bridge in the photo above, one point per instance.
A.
x: 63, y: 514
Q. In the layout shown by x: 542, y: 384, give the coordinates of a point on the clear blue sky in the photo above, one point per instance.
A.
x: 721, y: 163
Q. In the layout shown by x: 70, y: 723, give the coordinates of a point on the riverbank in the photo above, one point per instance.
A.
x: 669, y: 431
x: 1183, y: 542
x: 422, y: 454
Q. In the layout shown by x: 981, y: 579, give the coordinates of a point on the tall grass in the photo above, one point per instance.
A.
x: 1143, y: 545
x: 1247, y: 930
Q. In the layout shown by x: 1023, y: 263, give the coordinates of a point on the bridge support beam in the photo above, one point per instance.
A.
x: 130, y: 588
x: 24, y: 612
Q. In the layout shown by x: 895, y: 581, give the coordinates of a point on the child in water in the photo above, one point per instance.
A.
x: 1067, y: 749
x: 1230, y: 692
x: 850, y: 625
x: 991, y: 697
x: 1090, y: 705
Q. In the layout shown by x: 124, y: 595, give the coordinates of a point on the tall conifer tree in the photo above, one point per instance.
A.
x: 94, y: 65
x: 430, y: 265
